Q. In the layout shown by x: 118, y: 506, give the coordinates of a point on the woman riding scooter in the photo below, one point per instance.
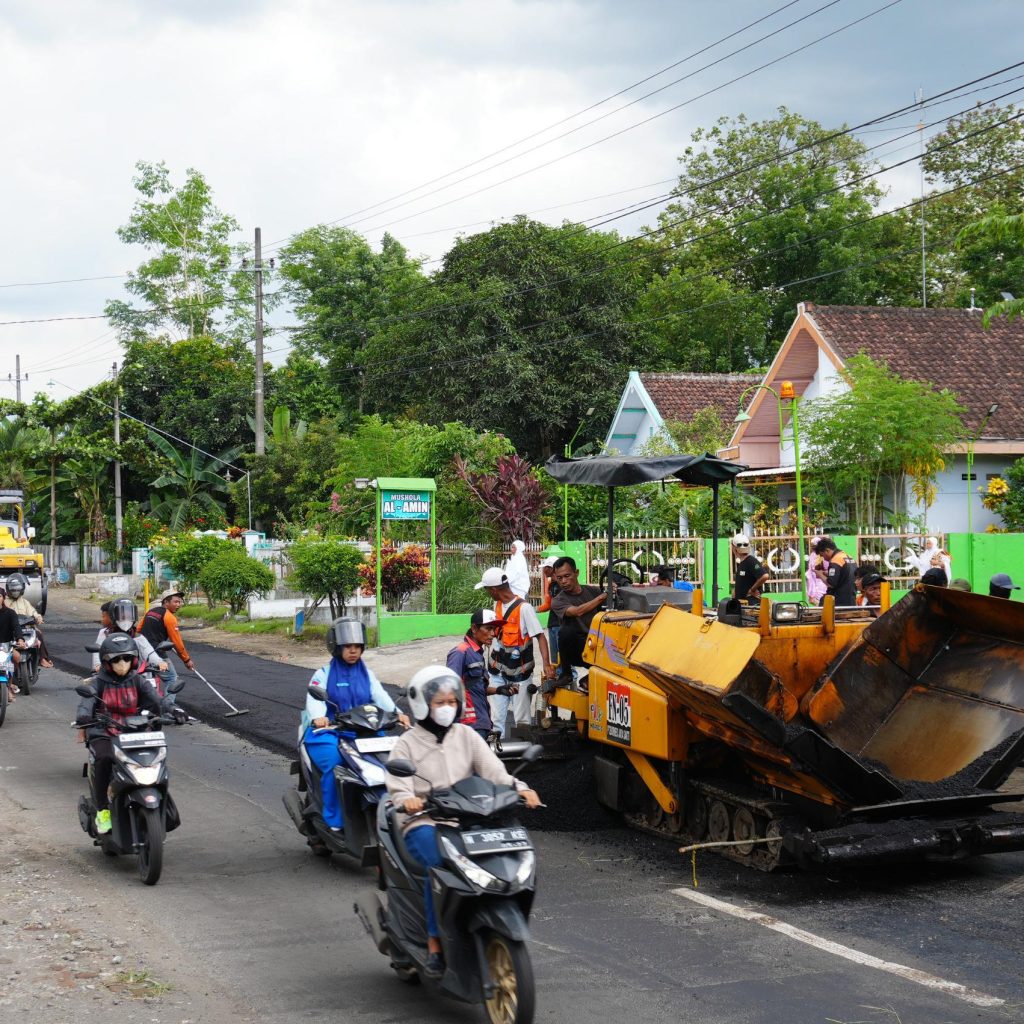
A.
x: 118, y: 691
x: 349, y: 683
x: 444, y: 752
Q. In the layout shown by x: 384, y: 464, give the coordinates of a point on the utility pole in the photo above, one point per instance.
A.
x: 924, y: 250
x: 118, y: 521
x: 17, y: 378
x: 260, y: 431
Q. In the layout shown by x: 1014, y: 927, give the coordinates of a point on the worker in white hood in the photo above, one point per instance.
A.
x: 517, y: 570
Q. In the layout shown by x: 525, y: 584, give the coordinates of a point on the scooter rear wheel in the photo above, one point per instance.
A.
x: 511, y: 972
x: 25, y: 676
x: 151, y: 845
x: 3, y: 701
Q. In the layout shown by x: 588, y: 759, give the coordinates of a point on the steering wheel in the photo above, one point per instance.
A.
x: 617, y: 577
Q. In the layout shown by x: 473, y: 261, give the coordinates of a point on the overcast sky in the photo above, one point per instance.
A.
x: 306, y: 111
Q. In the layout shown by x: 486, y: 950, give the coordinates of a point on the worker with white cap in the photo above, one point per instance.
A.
x: 512, y: 657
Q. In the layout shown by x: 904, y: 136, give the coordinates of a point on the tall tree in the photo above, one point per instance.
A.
x: 191, y: 283
x: 761, y: 204
x: 525, y: 327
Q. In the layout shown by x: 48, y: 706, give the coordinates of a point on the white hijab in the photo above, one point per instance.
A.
x: 517, y: 570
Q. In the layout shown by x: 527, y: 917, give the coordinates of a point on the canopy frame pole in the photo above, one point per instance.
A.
x: 714, y: 544
x: 611, y: 544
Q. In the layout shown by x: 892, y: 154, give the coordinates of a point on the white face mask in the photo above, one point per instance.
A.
x: 444, y: 715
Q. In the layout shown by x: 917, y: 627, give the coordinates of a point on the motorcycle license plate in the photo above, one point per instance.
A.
x: 376, y: 744
x: 143, y: 739
x: 496, y: 840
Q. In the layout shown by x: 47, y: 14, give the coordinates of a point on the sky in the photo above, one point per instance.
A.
x: 310, y: 111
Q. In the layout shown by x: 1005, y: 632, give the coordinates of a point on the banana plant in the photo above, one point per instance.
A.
x: 189, y: 481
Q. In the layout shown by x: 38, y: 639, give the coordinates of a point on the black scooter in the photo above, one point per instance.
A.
x: 366, y: 734
x: 28, y: 667
x: 483, y: 892
x: 142, y: 810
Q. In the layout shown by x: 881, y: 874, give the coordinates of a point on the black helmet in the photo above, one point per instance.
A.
x: 16, y: 585
x: 117, y: 645
x: 345, y: 631
x: 123, y: 613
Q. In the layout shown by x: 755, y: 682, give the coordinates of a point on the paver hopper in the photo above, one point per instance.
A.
x: 16, y: 551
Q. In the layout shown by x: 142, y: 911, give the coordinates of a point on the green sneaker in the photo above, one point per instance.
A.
x: 102, y: 822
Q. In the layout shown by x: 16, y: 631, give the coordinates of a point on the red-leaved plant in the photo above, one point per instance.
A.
x: 511, y: 494
x: 402, y: 573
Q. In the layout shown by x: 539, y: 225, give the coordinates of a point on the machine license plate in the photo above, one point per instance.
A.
x: 376, y: 744
x: 143, y: 739
x: 496, y: 840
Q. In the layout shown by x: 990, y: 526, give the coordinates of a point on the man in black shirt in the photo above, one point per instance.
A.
x: 751, y: 575
x: 575, y: 604
x: 840, y: 578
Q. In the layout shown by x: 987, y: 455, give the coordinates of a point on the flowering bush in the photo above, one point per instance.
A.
x: 1005, y: 497
x: 402, y: 572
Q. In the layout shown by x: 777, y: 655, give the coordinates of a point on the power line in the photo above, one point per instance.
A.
x: 565, y: 120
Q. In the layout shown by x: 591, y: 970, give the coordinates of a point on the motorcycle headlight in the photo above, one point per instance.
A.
x: 472, y: 872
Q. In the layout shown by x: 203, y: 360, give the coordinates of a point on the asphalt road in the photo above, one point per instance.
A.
x: 613, y: 940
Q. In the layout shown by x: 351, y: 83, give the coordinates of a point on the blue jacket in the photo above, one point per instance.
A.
x: 467, y: 661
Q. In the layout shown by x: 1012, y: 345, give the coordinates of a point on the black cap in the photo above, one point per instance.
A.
x: 485, y: 617
x: 872, y: 578
x: 935, y: 578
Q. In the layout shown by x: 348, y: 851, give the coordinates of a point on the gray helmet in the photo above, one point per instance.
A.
x: 345, y: 631
x: 123, y: 613
x: 16, y: 585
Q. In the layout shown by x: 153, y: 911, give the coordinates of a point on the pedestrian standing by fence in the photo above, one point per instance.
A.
x: 840, y: 579
x: 517, y: 569
x: 751, y: 575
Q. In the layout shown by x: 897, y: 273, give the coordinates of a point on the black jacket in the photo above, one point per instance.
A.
x: 10, y: 628
x: 103, y: 681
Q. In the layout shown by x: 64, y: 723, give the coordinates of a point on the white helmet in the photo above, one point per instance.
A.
x: 741, y: 540
x: 427, y: 683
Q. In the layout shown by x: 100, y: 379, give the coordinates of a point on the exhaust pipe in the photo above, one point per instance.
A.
x: 368, y: 910
x: 293, y: 805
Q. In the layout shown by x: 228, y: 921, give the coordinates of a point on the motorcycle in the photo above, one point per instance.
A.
x: 483, y: 892
x: 28, y: 667
x: 365, y: 744
x: 8, y: 673
x: 142, y: 810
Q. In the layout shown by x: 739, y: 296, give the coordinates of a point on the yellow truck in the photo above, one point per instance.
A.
x: 17, y: 553
x: 794, y: 735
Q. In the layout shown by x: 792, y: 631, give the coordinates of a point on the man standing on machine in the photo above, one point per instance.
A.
x: 751, y: 575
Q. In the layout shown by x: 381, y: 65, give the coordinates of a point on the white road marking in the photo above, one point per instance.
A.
x: 1014, y: 888
x: 952, y: 988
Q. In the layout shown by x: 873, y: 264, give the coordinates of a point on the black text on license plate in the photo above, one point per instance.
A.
x: 497, y: 840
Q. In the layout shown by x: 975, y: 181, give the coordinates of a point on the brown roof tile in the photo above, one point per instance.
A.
x: 680, y: 396
x: 948, y: 348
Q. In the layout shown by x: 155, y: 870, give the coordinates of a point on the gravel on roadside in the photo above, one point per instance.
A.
x: 67, y: 956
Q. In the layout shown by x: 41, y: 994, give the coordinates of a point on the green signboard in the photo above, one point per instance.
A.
x: 405, y: 505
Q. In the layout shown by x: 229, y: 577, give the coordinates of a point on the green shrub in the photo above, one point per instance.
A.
x: 325, y: 568
x: 234, y: 577
x: 456, y: 578
x: 187, y: 555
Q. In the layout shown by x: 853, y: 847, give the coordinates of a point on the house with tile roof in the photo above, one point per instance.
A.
x: 948, y: 348
x: 651, y: 400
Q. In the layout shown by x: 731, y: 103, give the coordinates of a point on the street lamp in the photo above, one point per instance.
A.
x: 565, y: 487
x: 787, y: 393
x: 971, y: 441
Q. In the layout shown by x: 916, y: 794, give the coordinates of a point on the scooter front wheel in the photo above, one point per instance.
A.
x: 151, y: 845
x: 25, y: 676
x: 4, y: 697
x: 511, y: 971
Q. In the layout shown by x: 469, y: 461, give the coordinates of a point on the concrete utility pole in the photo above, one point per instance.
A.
x: 17, y: 378
x: 258, y: 279
x: 118, y: 521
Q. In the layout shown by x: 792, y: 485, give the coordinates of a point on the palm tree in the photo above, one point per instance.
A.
x: 188, y: 482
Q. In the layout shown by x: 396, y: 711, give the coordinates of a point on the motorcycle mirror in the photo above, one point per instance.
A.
x: 318, y: 692
x: 84, y: 691
x: 534, y: 752
x: 402, y: 768
x: 165, y: 646
x: 177, y: 686
x: 93, y: 648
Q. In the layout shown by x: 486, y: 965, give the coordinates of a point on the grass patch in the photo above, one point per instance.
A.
x: 203, y: 612
x: 257, y: 626
x: 137, y: 984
